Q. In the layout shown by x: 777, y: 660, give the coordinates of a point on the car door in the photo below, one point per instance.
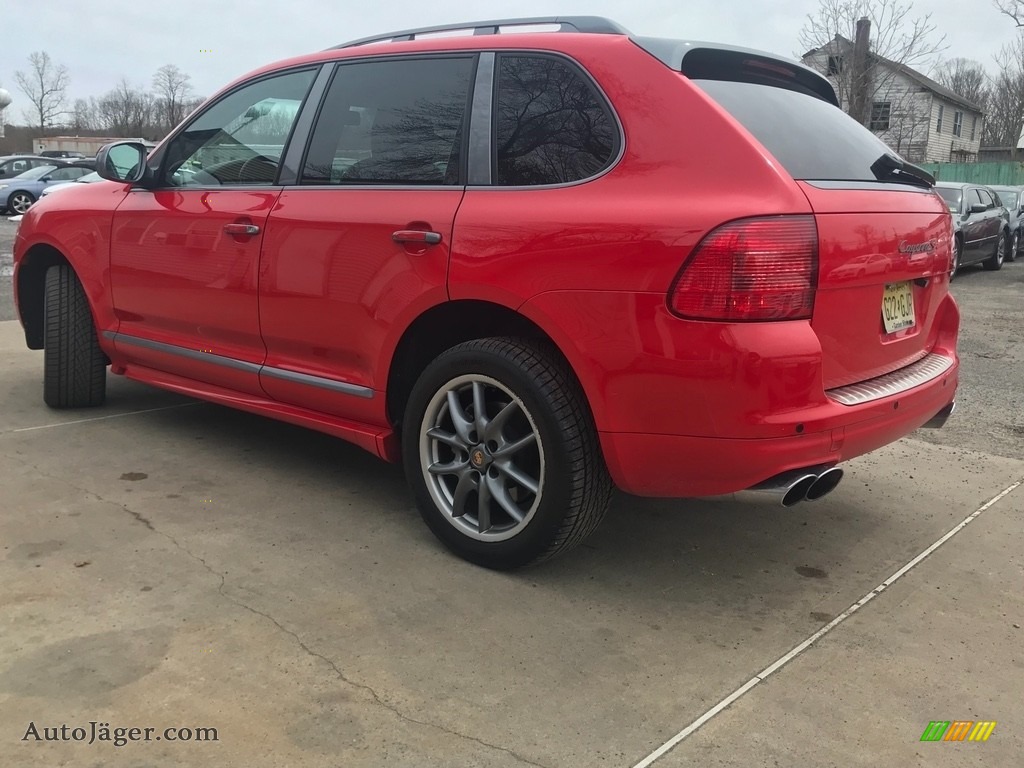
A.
x: 973, y: 226
x: 993, y: 218
x: 185, y: 255
x: 360, y: 245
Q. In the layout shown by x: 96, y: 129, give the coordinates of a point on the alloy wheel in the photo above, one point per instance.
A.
x: 482, y: 458
x: 20, y: 202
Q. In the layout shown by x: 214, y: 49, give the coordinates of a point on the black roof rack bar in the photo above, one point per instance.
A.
x: 590, y: 24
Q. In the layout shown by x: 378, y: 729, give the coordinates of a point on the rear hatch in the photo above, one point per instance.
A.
x: 884, y: 236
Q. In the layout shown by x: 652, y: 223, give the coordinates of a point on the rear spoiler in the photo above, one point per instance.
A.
x: 709, y: 61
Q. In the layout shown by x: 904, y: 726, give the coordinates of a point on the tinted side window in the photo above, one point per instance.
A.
x: 974, y: 198
x: 240, y: 138
x: 400, y: 121
x: 986, y: 198
x: 551, y: 125
x: 66, y: 174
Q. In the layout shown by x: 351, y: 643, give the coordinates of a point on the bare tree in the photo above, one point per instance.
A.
x: 46, y: 86
x: 964, y: 77
x: 905, y: 41
x: 127, y: 110
x: 1005, y: 105
x: 1012, y: 8
x: 171, y: 87
x: 83, y: 115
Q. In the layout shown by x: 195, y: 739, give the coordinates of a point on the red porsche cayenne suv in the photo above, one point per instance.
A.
x: 530, y: 266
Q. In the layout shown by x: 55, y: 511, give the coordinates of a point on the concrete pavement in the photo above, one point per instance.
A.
x: 196, y: 567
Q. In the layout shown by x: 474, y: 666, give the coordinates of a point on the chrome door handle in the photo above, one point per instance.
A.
x: 241, y: 229
x: 416, y: 236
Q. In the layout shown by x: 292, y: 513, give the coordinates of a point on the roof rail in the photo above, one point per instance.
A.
x: 590, y: 24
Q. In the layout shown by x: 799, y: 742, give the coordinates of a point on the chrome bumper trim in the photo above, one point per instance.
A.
x: 914, y: 375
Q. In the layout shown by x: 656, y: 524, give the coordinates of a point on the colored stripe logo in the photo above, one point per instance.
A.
x: 958, y: 730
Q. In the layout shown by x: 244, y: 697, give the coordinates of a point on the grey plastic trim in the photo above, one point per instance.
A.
x: 241, y: 365
x: 479, y: 167
x: 317, y: 381
x: 192, y: 354
x: 895, y: 383
x: 589, y: 24
x: 291, y: 162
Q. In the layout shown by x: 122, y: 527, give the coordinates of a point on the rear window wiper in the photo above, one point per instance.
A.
x: 891, y: 168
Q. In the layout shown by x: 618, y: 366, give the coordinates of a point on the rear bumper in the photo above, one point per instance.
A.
x: 681, y: 466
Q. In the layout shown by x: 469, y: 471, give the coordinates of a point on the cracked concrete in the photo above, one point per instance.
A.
x: 198, y: 567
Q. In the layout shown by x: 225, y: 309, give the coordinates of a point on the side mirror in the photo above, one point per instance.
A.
x: 46, y: 178
x: 977, y: 208
x: 123, y: 161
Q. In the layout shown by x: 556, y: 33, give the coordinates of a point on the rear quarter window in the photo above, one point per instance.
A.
x: 551, y: 124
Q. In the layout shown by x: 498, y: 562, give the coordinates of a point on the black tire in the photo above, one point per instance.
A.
x: 74, y: 366
x: 995, y: 262
x: 20, y: 201
x: 957, y: 250
x: 1011, y: 253
x: 574, y: 486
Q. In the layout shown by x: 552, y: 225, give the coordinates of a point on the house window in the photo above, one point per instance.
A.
x: 938, y: 123
x: 835, y: 65
x: 880, y: 111
x: 958, y: 123
x: 974, y: 127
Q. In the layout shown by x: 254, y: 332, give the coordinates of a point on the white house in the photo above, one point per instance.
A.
x: 916, y: 116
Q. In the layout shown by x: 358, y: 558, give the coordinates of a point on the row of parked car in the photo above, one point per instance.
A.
x: 987, y: 223
x: 26, y: 178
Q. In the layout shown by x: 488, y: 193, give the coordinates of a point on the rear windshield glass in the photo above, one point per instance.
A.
x: 1009, y: 199
x: 811, y: 138
x: 951, y: 195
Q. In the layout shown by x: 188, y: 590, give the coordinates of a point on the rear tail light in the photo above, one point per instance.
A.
x: 750, y: 270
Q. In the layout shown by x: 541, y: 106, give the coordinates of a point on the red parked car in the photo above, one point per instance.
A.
x: 530, y: 266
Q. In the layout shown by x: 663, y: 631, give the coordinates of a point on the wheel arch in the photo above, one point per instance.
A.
x: 445, y: 325
x: 31, y: 288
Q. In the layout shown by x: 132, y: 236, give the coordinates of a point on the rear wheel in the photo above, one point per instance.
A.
x: 74, y: 366
x: 502, y: 454
x: 995, y: 261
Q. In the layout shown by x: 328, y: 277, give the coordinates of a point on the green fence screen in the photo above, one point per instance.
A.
x: 1000, y: 174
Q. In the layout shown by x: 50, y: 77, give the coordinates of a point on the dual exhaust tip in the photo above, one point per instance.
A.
x: 798, y: 485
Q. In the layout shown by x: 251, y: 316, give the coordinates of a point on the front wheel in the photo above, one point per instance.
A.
x: 995, y: 261
x: 1011, y: 254
x: 19, y: 202
x: 502, y: 453
x: 955, y: 266
x: 74, y: 366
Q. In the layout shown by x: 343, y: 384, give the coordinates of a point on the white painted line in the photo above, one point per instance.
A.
x: 101, y: 418
x: 776, y: 665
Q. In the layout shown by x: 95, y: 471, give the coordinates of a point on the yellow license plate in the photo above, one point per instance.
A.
x: 898, y: 306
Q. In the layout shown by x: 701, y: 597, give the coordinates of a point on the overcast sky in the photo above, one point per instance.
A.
x: 102, y: 42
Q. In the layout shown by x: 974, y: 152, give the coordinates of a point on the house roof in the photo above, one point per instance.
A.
x: 913, y: 74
